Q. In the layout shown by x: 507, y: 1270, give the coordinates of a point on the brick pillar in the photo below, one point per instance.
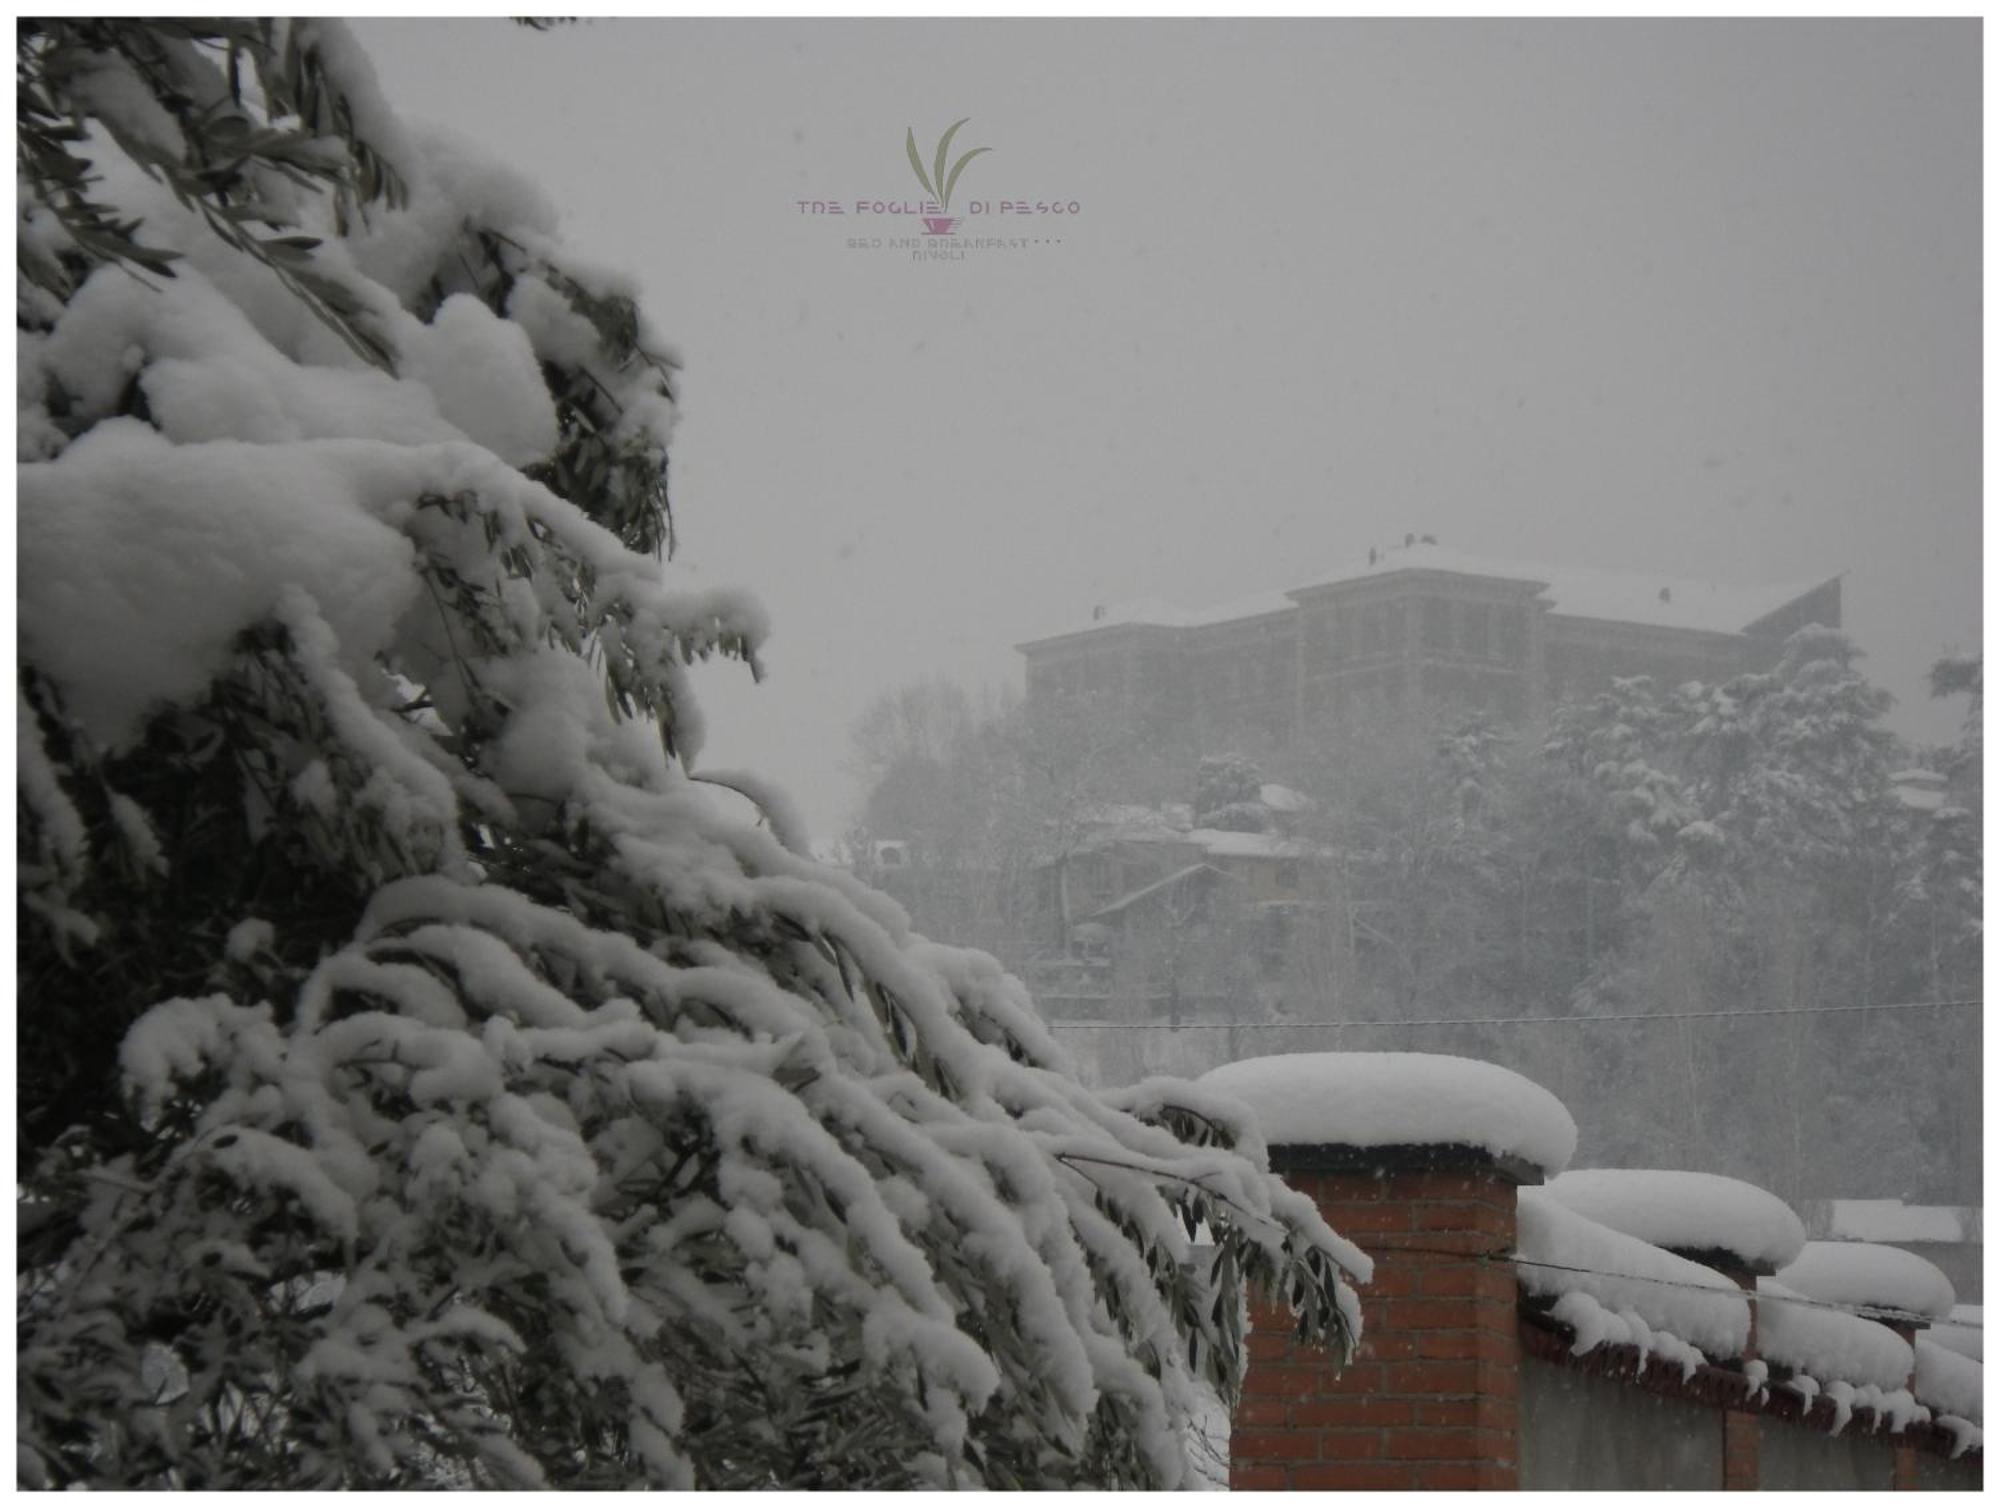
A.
x: 1742, y: 1434
x: 1905, y: 1478
x: 1430, y: 1399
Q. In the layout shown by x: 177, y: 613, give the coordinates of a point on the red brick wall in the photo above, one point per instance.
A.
x: 1429, y: 1400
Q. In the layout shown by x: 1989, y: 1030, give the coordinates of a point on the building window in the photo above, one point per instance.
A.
x: 1478, y: 630
x: 1437, y: 625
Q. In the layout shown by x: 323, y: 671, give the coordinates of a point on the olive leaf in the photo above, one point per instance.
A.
x: 937, y: 183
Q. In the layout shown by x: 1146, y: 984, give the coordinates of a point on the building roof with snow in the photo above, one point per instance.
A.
x: 1892, y: 1222
x: 1592, y: 592
x: 1574, y: 591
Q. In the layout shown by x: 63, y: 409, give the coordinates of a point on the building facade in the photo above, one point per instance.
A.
x: 1414, y: 629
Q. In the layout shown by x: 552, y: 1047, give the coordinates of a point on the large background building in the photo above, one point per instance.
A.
x: 1411, y: 628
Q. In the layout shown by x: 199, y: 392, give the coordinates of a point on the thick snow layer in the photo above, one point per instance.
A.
x: 1964, y: 1331
x: 141, y: 560
x: 1690, y: 1211
x: 1799, y: 1332
x: 481, y: 370
x: 1561, y: 1252
x: 1390, y: 1099
x: 1864, y: 1275
x: 1950, y: 1383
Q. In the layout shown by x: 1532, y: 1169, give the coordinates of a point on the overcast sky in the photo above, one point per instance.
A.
x: 1700, y: 298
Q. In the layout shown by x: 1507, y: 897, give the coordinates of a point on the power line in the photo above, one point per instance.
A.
x: 1767, y: 1010
x: 1875, y: 1312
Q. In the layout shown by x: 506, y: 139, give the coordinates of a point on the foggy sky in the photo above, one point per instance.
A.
x: 1694, y: 297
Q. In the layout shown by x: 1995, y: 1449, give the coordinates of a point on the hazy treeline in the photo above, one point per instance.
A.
x: 1708, y: 853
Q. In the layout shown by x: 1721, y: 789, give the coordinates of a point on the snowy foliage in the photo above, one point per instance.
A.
x: 424, y: 1081
x: 1228, y: 795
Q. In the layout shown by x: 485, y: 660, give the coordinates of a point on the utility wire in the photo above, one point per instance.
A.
x: 1767, y: 1010
x: 1865, y: 1311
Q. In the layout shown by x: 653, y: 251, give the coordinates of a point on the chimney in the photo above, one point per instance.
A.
x: 1431, y: 1398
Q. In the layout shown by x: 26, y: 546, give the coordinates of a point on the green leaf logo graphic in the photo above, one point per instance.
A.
x: 917, y: 162
x: 936, y: 181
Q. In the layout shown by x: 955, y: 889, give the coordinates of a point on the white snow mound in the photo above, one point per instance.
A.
x: 1832, y: 1346
x: 1687, y: 1211
x: 1562, y: 1253
x: 1964, y: 1332
x: 1949, y: 1383
x: 1867, y: 1276
x: 1396, y: 1099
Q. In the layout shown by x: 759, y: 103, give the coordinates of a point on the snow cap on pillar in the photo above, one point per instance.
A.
x: 1718, y: 1221
x: 1362, y: 1101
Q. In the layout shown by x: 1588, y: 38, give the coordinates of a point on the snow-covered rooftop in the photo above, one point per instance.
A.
x: 1114, y: 823
x: 1589, y: 592
x: 1125, y: 814
x: 1686, y: 1211
x: 1863, y: 1274
x: 1575, y: 591
x: 1282, y: 798
x: 1155, y: 612
x: 1390, y: 1099
x: 1234, y: 845
x: 1893, y: 1222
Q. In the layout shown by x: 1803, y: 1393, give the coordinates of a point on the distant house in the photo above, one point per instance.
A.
x: 1125, y: 851
x: 1145, y: 905
x: 1413, y: 627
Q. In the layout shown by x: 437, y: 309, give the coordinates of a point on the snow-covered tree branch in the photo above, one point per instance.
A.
x: 424, y: 1081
